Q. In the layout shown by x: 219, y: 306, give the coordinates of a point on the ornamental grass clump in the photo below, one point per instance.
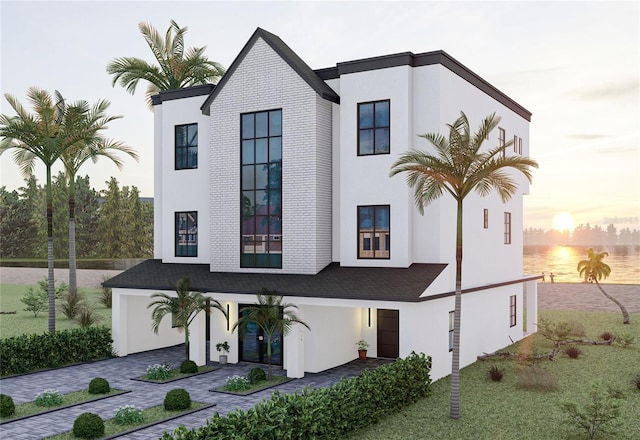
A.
x: 237, y: 383
x: 128, y: 415
x: 49, y: 398
x: 7, y: 407
x: 495, y: 373
x: 606, y: 336
x: 573, y: 352
x: 158, y: 372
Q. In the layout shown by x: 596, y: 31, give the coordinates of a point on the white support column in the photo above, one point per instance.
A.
x: 197, y: 339
x: 531, y: 304
x: 119, y: 317
x: 293, y: 360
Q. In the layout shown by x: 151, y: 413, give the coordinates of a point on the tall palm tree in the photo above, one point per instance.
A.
x: 594, y: 269
x: 93, y: 120
x: 183, y: 308
x: 176, y: 69
x: 271, y: 315
x: 459, y: 167
x: 42, y: 136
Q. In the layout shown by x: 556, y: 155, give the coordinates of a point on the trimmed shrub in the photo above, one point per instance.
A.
x: 25, y: 353
x: 256, y: 375
x: 573, y: 352
x: 495, y: 373
x: 188, y: 367
x: 99, y: 385
x: 88, y: 425
x: 177, y: 400
x: 7, y: 407
x: 536, y: 379
x: 349, y: 405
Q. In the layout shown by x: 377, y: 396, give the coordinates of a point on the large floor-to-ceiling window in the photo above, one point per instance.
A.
x: 261, y: 189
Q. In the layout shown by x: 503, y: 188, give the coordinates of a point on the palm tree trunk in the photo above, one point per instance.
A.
x: 73, y: 283
x: 186, y: 341
x: 51, y: 282
x: 269, y: 355
x: 454, y: 408
x: 625, y: 314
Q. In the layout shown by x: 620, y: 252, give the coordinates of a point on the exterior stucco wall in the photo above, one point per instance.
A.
x: 180, y: 190
x: 263, y: 81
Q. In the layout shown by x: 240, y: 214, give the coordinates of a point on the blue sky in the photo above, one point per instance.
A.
x: 574, y: 65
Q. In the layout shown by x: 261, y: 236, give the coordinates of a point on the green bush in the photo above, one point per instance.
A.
x: 237, y: 383
x: 177, y: 400
x: 70, y: 305
x: 36, y: 301
x: 25, y: 353
x: 323, y: 413
x: 188, y: 367
x: 99, y: 385
x: 256, y: 375
x: 7, y: 407
x: 597, y: 413
x: 49, y: 398
x: 88, y: 425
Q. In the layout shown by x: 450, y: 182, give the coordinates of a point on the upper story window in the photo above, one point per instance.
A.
x: 373, y: 128
x: 512, y: 311
x: 507, y: 228
x: 261, y: 189
x: 486, y: 219
x: 502, y: 139
x: 519, y: 145
x: 187, y: 234
x: 186, y: 146
x: 374, y: 234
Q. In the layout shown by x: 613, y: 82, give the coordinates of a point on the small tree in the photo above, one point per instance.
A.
x: 599, y: 411
x: 184, y: 308
x: 594, y: 269
x: 271, y: 315
x: 35, y: 301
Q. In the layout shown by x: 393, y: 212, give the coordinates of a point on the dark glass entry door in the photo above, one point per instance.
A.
x: 253, y: 347
x: 388, y: 333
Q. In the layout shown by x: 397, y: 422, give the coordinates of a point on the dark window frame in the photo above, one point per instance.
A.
x: 485, y: 219
x: 502, y: 139
x: 513, y: 307
x: 373, y: 243
x: 374, y: 127
x: 451, y: 328
x: 191, y: 237
x: 273, y: 237
x: 507, y: 228
x: 187, y: 147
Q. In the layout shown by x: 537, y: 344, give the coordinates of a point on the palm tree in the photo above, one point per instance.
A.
x: 183, y: 308
x: 594, y: 269
x: 271, y: 315
x: 458, y: 167
x: 93, y: 120
x: 176, y: 68
x: 43, y: 136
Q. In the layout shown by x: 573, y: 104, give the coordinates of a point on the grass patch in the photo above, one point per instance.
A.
x: 24, y: 322
x: 500, y: 410
x: 28, y: 409
x: 177, y: 375
x: 254, y: 388
x: 152, y: 416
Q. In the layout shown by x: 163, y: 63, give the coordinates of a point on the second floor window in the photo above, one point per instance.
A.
x: 186, y: 146
x: 373, y: 128
x: 507, y: 228
x: 502, y: 139
x: 187, y: 234
x: 512, y: 311
x: 486, y: 219
x: 374, y: 234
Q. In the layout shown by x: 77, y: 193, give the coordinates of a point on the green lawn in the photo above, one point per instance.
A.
x: 24, y: 322
x: 499, y: 410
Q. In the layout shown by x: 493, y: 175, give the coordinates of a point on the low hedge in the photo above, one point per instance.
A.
x: 324, y: 413
x: 26, y: 353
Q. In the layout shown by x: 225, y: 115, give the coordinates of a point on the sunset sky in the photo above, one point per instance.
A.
x: 574, y: 65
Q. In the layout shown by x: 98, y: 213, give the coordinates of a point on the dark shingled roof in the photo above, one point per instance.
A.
x: 363, y: 283
x: 288, y: 55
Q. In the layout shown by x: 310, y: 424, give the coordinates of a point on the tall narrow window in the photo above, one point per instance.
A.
x: 187, y: 234
x: 502, y: 138
x: 451, y: 321
x: 486, y: 218
x: 507, y: 228
x: 373, y: 128
x: 515, y: 144
x: 261, y: 189
x: 512, y: 310
x: 186, y: 146
x: 519, y: 145
x: 374, y: 234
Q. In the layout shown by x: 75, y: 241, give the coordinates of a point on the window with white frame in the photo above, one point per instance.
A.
x: 507, y: 228
x: 512, y: 310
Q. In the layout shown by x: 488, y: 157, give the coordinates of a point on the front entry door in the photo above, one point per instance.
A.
x: 388, y: 333
x: 253, y: 346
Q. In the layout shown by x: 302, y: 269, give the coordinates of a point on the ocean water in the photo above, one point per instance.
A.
x: 563, y: 262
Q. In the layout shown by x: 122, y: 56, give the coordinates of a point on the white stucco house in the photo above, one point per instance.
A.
x: 277, y: 177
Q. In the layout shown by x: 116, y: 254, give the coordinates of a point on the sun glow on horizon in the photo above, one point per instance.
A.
x: 563, y: 221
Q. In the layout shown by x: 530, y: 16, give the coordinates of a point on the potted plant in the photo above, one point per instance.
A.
x: 224, y: 348
x: 362, y: 349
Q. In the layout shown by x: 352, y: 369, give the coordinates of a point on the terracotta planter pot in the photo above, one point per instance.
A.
x: 362, y: 354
